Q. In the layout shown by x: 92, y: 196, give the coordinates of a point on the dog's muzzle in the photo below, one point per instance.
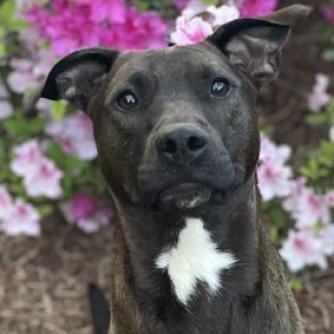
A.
x: 182, y: 143
x: 185, y: 168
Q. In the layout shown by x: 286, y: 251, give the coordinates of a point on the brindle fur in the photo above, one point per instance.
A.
x: 172, y: 86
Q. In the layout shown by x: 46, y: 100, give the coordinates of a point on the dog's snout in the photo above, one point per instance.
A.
x: 182, y: 143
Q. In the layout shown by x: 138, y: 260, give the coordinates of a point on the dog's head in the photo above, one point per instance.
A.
x: 177, y: 127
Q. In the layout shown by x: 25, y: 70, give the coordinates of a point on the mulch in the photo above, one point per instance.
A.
x: 43, y: 283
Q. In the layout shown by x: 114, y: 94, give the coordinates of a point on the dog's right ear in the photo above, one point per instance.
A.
x: 77, y: 77
x: 254, y: 44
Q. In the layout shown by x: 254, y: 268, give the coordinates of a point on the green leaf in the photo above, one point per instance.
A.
x: 295, y: 284
x: 274, y: 235
x: 69, y: 163
x: 8, y: 17
x: 58, y: 109
x: 46, y: 209
x: 317, y: 118
x: 142, y: 5
x: 23, y: 128
x: 17, y: 189
x: 209, y: 2
x: 328, y: 55
x: 7, y: 10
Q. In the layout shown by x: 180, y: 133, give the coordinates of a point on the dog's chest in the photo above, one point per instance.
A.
x: 195, y: 258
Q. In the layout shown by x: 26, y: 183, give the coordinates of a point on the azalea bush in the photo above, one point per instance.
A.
x: 47, y: 150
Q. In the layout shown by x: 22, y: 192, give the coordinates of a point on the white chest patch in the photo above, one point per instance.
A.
x: 195, y: 257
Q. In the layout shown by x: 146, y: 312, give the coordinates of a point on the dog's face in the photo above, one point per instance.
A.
x: 175, y: 128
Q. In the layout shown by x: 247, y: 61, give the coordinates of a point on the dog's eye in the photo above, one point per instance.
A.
x: 127, y: 100
x: 220, y: 87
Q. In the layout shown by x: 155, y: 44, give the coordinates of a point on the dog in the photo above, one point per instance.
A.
x: 178, y: 143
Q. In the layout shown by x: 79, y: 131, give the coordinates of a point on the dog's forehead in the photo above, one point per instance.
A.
x: 175, y: 59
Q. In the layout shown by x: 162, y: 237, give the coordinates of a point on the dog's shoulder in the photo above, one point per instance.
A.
x: 275, y: 307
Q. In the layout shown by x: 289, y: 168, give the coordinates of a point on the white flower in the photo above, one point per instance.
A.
x: 191, y: 28
x: 23, y: 218
x: 303, y: 248
x: 6, y: 202
x: 44, y: 181
x: 223, y: 14
x: 319, y: 96
x: 331, y: 133
x: 27, y: 157
x: 75, y: 135
x: 274, y: 177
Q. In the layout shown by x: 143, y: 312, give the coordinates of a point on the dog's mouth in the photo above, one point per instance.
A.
x: 185, y: 190
x: 187, y: 196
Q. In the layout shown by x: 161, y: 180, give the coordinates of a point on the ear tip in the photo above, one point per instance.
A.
x: 49, y: 90
x: 302, y: 10
x: 290, y: 15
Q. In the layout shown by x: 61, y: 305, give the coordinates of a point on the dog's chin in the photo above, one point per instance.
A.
x: 184, y: 196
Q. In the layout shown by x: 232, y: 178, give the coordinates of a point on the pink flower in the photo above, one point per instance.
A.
x: 298, y: 189
x: 327, y: 235
x: 223, y: 14
x: 303, y: 248
x: 269, y: 152
x: 274, y: 177
x: 44, y: 180
x: 252, y: 8
x: 21, y: 78
x: 190, y: 31
x: 22, y: 219
x: 191, y: 28
x: 274, y: 180
x: 87, y: 212
x: 24, y: 4
x: 193, y: 8
x: 319, y: 96
x: 75, y: 135
x: 107, y: 23
x: 29, y: 73
x: 329, y: 198
x: 180, y: 3
x: 26, y: 157
x: 306, y: 207
x: 81, y: 206
x: 139, y: 31
x: 40, y: 175
x: 328, y: 12
x: 93, y: 225
x: 113, y: 10
x: 312, y: 209
x: 6, y: 202
x: 6, y: 109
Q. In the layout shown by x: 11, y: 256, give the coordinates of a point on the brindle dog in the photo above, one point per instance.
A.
x: 178, y: 143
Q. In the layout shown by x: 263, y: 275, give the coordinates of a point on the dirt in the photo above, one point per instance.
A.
x: 43, y: 283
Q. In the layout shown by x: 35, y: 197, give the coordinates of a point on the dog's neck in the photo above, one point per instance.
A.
x: 231, y: 229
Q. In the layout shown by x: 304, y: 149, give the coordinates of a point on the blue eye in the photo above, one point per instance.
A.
x: 220, y: 87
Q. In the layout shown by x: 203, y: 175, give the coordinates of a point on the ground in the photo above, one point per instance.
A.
x: 43, y: 281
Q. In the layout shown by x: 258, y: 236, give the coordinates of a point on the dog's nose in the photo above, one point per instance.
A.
x: 182, y: 142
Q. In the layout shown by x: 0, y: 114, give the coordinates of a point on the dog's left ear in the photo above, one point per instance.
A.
x: 78, y: 76
x: 254, y: 45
